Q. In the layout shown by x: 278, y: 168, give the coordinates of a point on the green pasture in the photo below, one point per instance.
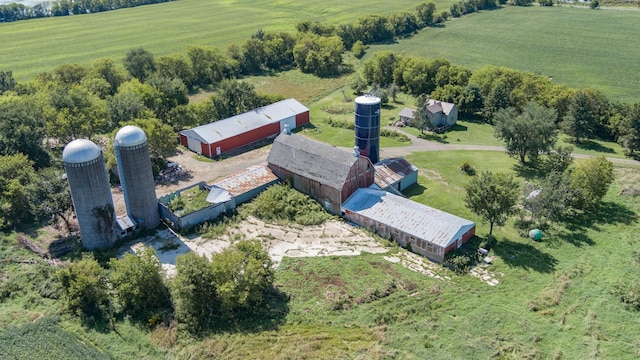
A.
x: 575, y: 46
x: 33, y: 46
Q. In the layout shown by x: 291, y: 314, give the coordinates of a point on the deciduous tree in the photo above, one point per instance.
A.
x: 493, y: 197
x: 590, y: 179
x: 84, y: 284
x: 139, y: 63
x: 526, y: 134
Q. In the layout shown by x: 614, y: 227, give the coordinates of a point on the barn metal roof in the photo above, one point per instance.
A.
x: 236, y: 125
x: 390, y: 171
x: 421, y: 221
x: 247, y: 180
x: 314, y: 160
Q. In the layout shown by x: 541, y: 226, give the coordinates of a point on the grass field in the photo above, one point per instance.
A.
x: 574, y: 46
x: 33, y: 46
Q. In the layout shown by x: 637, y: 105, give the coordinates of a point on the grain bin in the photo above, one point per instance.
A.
x: 368, y: 126
x: 136, y: 177
x: 90, y: 193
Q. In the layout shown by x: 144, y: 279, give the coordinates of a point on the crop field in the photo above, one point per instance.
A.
x: 33, y: 46
x: 574, y: 46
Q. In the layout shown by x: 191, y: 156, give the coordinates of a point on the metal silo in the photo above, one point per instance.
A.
x: 134, y: 167
x: 368, y: 126
x: 90, y: 193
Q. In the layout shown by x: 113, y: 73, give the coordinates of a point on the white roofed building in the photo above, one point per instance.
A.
x: 430, y: 232
x: 229, y: 134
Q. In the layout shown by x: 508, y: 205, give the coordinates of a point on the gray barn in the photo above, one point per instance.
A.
x: 324, y: 172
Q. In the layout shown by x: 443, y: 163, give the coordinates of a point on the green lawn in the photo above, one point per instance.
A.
x: 575, y: 46
x: 33, y: 46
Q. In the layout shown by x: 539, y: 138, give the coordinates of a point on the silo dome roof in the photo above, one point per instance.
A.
x: 79, y: 151
x: 368, y: 100
x: 130, y: 136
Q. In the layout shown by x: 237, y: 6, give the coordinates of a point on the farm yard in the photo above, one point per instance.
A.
x: 338, y: 290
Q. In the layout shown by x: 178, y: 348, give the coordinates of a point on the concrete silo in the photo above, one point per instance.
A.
x: 134, y: 167
x: 90, y: 193
x: 368, y: 126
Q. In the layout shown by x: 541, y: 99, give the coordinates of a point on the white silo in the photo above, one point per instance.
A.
x: 136, y: 177
x: 90, y: 193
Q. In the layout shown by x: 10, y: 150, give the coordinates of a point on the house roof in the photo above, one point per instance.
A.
x: 407, y: 112
x: 390, y: 171
x: 443, y: 106
x: 247, y: 180
x: 236, y: 125
x: 424, y: 222
x: 314, y: 160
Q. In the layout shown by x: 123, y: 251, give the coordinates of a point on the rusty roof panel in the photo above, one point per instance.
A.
x: 390, y: 171
x: 247, y: 180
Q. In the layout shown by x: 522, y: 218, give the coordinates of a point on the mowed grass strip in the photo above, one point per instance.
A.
x: 33, y: 46
x: 575, y: 46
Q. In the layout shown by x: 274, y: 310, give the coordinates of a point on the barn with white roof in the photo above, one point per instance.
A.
x: 431, y: 232
x: 237, y: 131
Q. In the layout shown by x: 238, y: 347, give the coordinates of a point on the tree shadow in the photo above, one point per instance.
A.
x: 414, y: 190
x: 529, y: 171
x: 525, y: 256
x: 433, y: 137
x: 592, y: 145
x: 608, y: 212
x: 457, y: 127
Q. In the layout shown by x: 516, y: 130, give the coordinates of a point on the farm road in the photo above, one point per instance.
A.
x: 418, y: 145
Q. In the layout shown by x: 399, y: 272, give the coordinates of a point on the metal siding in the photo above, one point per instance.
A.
x: 183, y: 140
x: 204, y: 149
x: 194, y: 145
x: 247, y: 138
x: 302, y: 119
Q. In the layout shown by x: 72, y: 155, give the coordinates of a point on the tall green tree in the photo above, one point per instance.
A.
x: 85, y: 288
x: 138, y: 282
x: 22, y: 129
x: 319, y: 55
x: 554, y: 200
x: 421, y: 117
x: 526, y: 134
x: 193, y: 289
x: 16, y: 175
x: 493, y: 197
x: 139, y: 63
x: 7, y: 81
x: 379, y: 68
x: 580, y: 119
x: 629, y: 130
x: 50, y: 198
x: 590, y: 179
x: 242, y: 275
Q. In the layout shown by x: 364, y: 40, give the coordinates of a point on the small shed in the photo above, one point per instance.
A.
x: 395, y: 173
x: 324, y: 172
x: 407, y: 115
x: 237, y: 131
x: 427, y: 231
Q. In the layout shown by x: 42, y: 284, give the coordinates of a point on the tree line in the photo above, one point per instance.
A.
x: 15, y: 11
x: 235, y: 284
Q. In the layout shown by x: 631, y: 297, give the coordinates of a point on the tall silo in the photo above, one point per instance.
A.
x: 90, y: 193
x: 368, y: 126
x: 136, y: 177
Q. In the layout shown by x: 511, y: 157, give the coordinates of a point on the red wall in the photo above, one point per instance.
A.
x: 205, y: 149
x: 243, y: 139
x: 302, y: 119
x: 183, y: 141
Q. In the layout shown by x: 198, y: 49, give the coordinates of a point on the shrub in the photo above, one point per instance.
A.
x: 282, y: 203
x: 629, y: 294
x: 395, y: 135
x: 467, y: 169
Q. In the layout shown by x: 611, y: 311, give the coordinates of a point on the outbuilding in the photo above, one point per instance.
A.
x: 426, y: 231
x: 324, y: 172
x: 237, y: 131
x: 395, y: 173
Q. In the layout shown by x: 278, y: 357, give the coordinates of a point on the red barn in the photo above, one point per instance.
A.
x: 232, y: 133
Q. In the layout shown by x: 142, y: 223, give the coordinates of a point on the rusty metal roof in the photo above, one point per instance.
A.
x: 247, y: 180
x: 390, y: 171
x: 424, y: 222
